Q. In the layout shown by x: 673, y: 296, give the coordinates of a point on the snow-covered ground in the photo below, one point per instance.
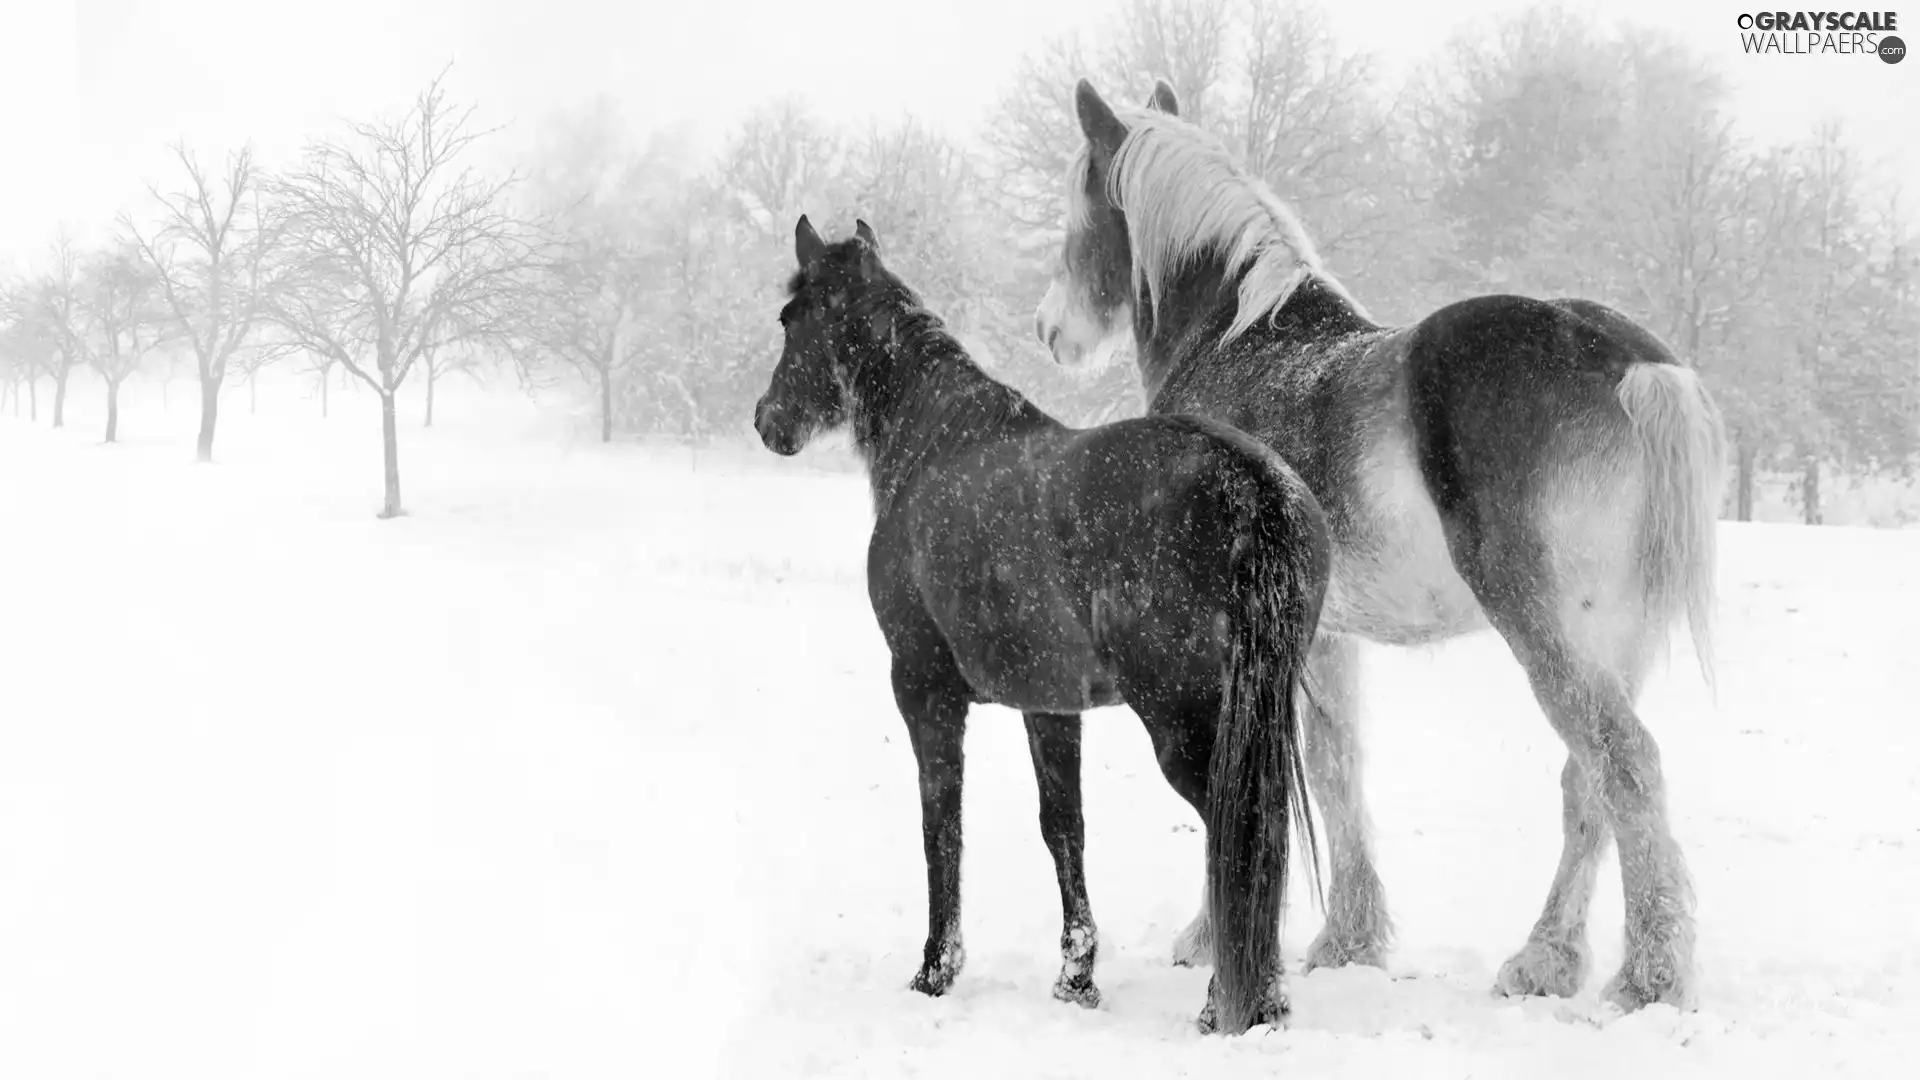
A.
x: 589, y: 768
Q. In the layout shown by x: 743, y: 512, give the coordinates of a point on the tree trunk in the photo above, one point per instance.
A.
x: 430, y: 382
x: 1810, y: 491
x: 1743, y: 483
x: 606, y: 404
x: 33, y: 399
x: 165, y: 405
x: 113, y: 410
x: 209, y: 413
x: 253, y: 393
x: 325, y: 381
x: 390, y: 442
x: 60, y: 398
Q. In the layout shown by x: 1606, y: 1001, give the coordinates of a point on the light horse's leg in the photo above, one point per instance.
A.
x: 1555, y: 959
x: 933, y: 702
x: 1358, y: 928
x: 1567, y: 593
x: 1054, y: 741
x: 1577, y: 473
x: 1612, y: 784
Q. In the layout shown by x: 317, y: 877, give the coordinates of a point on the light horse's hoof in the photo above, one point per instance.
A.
x: 1630, y: 994
x: 1543, y: 969
x: 1194, y: 945
x: 1329, y: 952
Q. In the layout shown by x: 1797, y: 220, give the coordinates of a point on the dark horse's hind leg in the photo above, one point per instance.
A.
x: 1183, y: 743
x: 1054, y: 740
x: 933, y: 701
x: 1358, y: 929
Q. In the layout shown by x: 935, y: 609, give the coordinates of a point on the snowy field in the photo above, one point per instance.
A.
x: 589, y: 768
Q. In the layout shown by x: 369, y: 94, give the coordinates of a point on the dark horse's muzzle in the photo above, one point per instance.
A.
x: 777, y: 430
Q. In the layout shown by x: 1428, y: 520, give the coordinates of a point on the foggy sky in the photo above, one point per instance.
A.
x: 92, y: 91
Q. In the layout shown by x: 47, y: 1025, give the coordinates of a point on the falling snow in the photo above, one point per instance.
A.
x: 590, y: 768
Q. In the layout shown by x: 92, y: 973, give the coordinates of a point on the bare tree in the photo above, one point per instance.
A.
x: 211, y: 249
x: 25, y: 348
x: 1182, y: 41
x: 602, y: 304
x: 1305, y: 120
x: 397, y: 247
x: 119, y: 294
x: 1032, y: 136
x: 248, y: 361
x: 584, y: 309
x: 57, y: 308
x: 169, y: 357
x: 456, y: 357
x: 779, y: 162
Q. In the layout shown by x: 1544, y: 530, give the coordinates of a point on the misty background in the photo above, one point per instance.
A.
x: 611, y: 222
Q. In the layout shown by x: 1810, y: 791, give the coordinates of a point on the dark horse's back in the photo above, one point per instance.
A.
x: 1070, y: 569
x: 1169, y: 562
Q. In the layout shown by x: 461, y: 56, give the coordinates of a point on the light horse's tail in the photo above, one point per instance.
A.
x: 1684, y: 446
x: 1257, y: 787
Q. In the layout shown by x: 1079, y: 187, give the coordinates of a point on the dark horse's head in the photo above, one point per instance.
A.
x: 808, y: 393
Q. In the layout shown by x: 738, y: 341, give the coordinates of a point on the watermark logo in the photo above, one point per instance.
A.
x: 1822, y: 33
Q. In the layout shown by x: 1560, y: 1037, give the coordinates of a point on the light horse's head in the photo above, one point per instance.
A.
x: 1150, y: 197
x: 1087, y: 313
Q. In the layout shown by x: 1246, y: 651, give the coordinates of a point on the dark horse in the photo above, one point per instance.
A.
x: 1547, y: 467
x: 1171, y: 563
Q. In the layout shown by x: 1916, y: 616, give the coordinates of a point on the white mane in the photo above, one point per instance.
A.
x: 1184, y: 194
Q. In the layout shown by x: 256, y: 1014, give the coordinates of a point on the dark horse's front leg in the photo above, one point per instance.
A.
x: 933, y: 701
x: 1054, y: 740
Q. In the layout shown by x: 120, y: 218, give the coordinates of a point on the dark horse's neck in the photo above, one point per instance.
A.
x: 916, y: 394
x: 1197, y: 308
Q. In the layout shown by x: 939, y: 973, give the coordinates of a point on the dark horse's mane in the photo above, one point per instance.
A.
x: 914, y: 388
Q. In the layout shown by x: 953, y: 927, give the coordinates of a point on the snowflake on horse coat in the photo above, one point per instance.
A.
x: 1546, y: 467
x: 1169, y: 563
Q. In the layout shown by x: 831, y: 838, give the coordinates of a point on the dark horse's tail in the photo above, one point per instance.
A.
x: 1258, y: 783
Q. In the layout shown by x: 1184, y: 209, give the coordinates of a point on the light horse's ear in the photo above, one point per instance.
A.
x: 807, y: 245
x: 1098, y: 123
x: 1163, y: 99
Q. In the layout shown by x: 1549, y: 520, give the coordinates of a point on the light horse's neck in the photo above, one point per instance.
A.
x: 1189, y: 341
x: 917, y: 395
x: 1220, y: 264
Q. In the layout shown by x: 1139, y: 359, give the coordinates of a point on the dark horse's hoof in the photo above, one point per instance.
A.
x: 932, y: 983
x: 1079, y: 992
x: 939, y: 969
x: 1273, y: 1013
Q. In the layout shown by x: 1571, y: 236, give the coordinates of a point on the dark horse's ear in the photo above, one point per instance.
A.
x: 1103, y: 129
x: 807, y: 245
x: 1163, y: 99
x: 869, y: 247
